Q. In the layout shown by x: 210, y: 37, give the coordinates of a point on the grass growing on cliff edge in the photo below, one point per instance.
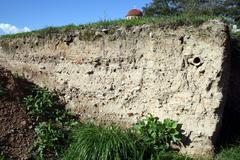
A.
x: 174, y: 20
x: 232, y: 153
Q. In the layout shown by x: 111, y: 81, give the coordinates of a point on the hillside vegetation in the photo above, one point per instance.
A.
x: 170, y: 21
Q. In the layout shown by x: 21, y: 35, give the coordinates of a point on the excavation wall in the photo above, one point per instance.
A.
x: 122, y: 74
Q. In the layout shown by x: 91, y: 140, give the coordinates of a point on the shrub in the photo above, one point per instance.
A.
x: 49, y: 139
x: 91, y: 142
x: 52, y: 123
x: 40, y: 103
x: 157, y: 136
x: 44, y: 106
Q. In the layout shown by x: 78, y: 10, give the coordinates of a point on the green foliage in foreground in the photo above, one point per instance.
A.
x: 40, y: 104
x: 91, y: 142
x: 157, y: 136
x: 173, y: 20
x: 146, y: 140
x: 52, y: 124
x: 50, y: 139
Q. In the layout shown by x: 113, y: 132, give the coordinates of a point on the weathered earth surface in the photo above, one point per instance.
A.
x: 16, y: 133
x: 122, y: 74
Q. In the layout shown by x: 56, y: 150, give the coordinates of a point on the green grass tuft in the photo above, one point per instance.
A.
x: 174, y: 20
x: 232, y: 153
x: 170, y: 156
x: 91, y: 142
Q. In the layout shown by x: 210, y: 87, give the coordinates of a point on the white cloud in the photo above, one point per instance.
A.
x: 11, y: 29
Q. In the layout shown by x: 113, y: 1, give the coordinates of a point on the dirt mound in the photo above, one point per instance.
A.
x: 16, y: 133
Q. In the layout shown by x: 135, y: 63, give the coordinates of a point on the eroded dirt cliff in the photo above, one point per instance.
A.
x: 122, y: 74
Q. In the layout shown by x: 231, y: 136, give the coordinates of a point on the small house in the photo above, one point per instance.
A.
x: 134, y: 13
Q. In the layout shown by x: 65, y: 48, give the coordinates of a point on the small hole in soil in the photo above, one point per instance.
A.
x: 196, y: 60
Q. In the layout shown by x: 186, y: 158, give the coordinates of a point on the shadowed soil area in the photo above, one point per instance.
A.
x: 230, y: 128
x: 16, y: 130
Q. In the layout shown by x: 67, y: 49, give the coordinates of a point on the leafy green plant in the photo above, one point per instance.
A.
x: 91, y: 142
x: 43, y: 106
x: 41, y: 103
x: 52, y: 123
x: 157, y: 136
x: 49, y: 139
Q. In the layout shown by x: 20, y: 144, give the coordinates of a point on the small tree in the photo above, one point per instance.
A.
x: 158, y: 7
x: 232, y: 8
x: 229, y: 8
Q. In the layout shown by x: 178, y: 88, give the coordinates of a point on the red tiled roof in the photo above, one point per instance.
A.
x: 135, y: 12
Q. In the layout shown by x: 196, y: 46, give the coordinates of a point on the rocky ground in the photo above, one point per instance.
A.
x: 16, y: 132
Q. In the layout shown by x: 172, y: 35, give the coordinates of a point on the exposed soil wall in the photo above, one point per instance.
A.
x: 122, y: 74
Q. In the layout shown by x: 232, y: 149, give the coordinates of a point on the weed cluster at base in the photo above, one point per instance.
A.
x: 145, y: 141
x: 52, y: 124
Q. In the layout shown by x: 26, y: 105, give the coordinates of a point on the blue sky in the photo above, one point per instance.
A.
x: 25, y: 15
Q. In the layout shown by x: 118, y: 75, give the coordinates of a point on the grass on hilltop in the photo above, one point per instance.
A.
x: 175, y: 20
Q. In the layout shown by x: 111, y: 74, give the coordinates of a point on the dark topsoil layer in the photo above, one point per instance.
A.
x: 16, y: 130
